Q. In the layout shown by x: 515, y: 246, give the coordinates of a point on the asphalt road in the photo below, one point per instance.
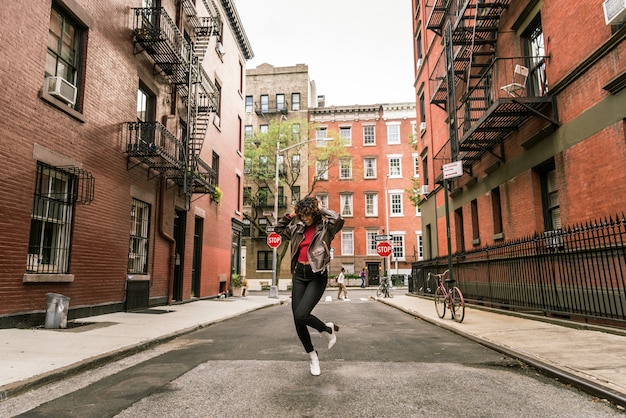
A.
x: 385, y: 364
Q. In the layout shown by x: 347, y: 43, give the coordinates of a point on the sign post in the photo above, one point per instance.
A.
x: 450, y: 171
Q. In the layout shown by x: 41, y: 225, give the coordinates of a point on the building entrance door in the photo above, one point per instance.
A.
x: 373, y: 274
x: 179, y: 235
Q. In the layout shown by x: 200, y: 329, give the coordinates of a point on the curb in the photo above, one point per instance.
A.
x: 578, y: 382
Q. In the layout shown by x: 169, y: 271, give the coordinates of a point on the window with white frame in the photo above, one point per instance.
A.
x: 416, y: 165
x: 347, y: 242
x: 139, y: 237
x: 247, y: 131
x: 264, y: 129
x: 369, y: 165
x: 371, y: 204
x: 346, y: 205
x: 413, y: 132
x: 265, y: 103
x: 51, y: 221
x: 395, y: 203
x: 420, y: 245
x: 393, y: 133
x: 398, y: 245
x: 370, y: 239
x: 321, y: 135
x: 369, y: 135
x: 249, y: 104
x: 345, y: 168
x: 323, y: 197
x: 395, y: 166
x: 345, y: 135
x: 321, y: 170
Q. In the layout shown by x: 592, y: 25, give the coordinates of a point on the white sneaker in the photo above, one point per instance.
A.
x: 332, y: 338
x: 315, y: 363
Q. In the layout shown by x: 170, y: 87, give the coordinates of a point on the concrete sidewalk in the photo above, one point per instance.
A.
x: 31, y: 357
x: 591, y: 358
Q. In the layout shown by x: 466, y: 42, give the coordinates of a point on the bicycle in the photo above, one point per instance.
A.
x: 385, y: 288
x: 450, y: 298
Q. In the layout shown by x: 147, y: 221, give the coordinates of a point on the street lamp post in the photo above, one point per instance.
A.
x: 274, y: 286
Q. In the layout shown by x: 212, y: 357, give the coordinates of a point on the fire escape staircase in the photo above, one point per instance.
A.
x: 467, y: 78
x: 149, y: 143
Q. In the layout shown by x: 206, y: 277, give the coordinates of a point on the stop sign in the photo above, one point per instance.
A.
x: 384, y: 249
x: 273, y: 240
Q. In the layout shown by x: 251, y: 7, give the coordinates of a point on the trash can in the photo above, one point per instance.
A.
x: 56, y: 310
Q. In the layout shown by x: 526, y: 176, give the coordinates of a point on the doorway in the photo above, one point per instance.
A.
x: 196, y: 263
x: 180, y: 222
x: 373, y: 274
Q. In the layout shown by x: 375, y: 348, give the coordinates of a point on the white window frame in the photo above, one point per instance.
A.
x: 323, y: 197
x: 346, y: 209
x: 420, y: 245
x: 416, y: 165
x: 396, y: 203
x: 321, y: 136
x: 345, y: 135
x: 395, y: 166
x: 347, y: 242
x: 393, y: 133
x: 371, y: 204
x: 370, y: 239
x: 398, y: 243
x: 369, y: 139
x: 345, y: 168
x: 369, y: 168
x: 321, y: 169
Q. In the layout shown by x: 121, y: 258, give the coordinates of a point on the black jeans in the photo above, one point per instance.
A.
x: 307, y: 290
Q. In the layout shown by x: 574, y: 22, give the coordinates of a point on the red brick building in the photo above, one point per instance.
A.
x: 122, y: 143
x: 372, y: 188
x: 529, y: 95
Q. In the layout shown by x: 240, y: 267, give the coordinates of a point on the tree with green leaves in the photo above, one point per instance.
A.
x: 298, y: 140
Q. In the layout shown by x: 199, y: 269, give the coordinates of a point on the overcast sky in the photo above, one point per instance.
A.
x: 358, y: 51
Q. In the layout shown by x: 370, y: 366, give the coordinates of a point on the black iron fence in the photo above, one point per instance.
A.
x: 577, y: 273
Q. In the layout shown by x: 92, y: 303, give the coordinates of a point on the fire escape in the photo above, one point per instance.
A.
x: 487, y: 97
x: 180, y: 61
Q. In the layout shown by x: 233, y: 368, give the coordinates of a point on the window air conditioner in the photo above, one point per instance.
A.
x: 424, y: 190
x: 614, y: 11
x: 422, y: 126
x: 61, y: 89
x: 420, y: 61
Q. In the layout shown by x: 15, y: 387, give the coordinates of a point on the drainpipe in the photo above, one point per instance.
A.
x: 170, y: 239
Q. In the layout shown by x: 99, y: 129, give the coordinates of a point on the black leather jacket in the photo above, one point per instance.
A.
x: 319, y: 250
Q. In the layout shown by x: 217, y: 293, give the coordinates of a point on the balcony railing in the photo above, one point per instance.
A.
x: 159, y: 36
x: 271, y: 107
x: 152, y: 144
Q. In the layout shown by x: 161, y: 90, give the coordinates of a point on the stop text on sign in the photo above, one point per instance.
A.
x: 273, y: 240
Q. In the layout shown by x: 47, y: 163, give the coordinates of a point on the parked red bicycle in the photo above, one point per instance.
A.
x: 450, y: 297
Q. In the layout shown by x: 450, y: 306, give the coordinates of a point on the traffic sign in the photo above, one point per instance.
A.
x: 383, y: 238
x: 453, y: 170
x: 384, y: 249
x: 273, y: 240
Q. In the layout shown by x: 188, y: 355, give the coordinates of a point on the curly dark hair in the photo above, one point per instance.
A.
x: 309, y: 206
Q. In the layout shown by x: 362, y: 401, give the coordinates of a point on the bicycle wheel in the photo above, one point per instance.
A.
x: 440, y: 302
x: 458, y: 305
x: 379, y: 291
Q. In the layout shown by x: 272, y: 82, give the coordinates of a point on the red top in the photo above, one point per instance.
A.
x: 303, y: 249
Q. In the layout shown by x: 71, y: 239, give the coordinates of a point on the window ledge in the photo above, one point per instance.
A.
x: 47, y: 278
x: 63, y: 107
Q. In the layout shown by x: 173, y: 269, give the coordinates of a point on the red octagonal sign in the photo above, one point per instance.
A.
x: 273, y: 240
x: 384, y: 249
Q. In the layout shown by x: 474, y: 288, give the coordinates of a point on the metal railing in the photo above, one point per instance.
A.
x: 577, y: 273
x: 152, y: 144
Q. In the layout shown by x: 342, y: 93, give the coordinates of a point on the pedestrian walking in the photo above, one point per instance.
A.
x: 341, y: 282
x: 311, y: 229
x: 363, y: 277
